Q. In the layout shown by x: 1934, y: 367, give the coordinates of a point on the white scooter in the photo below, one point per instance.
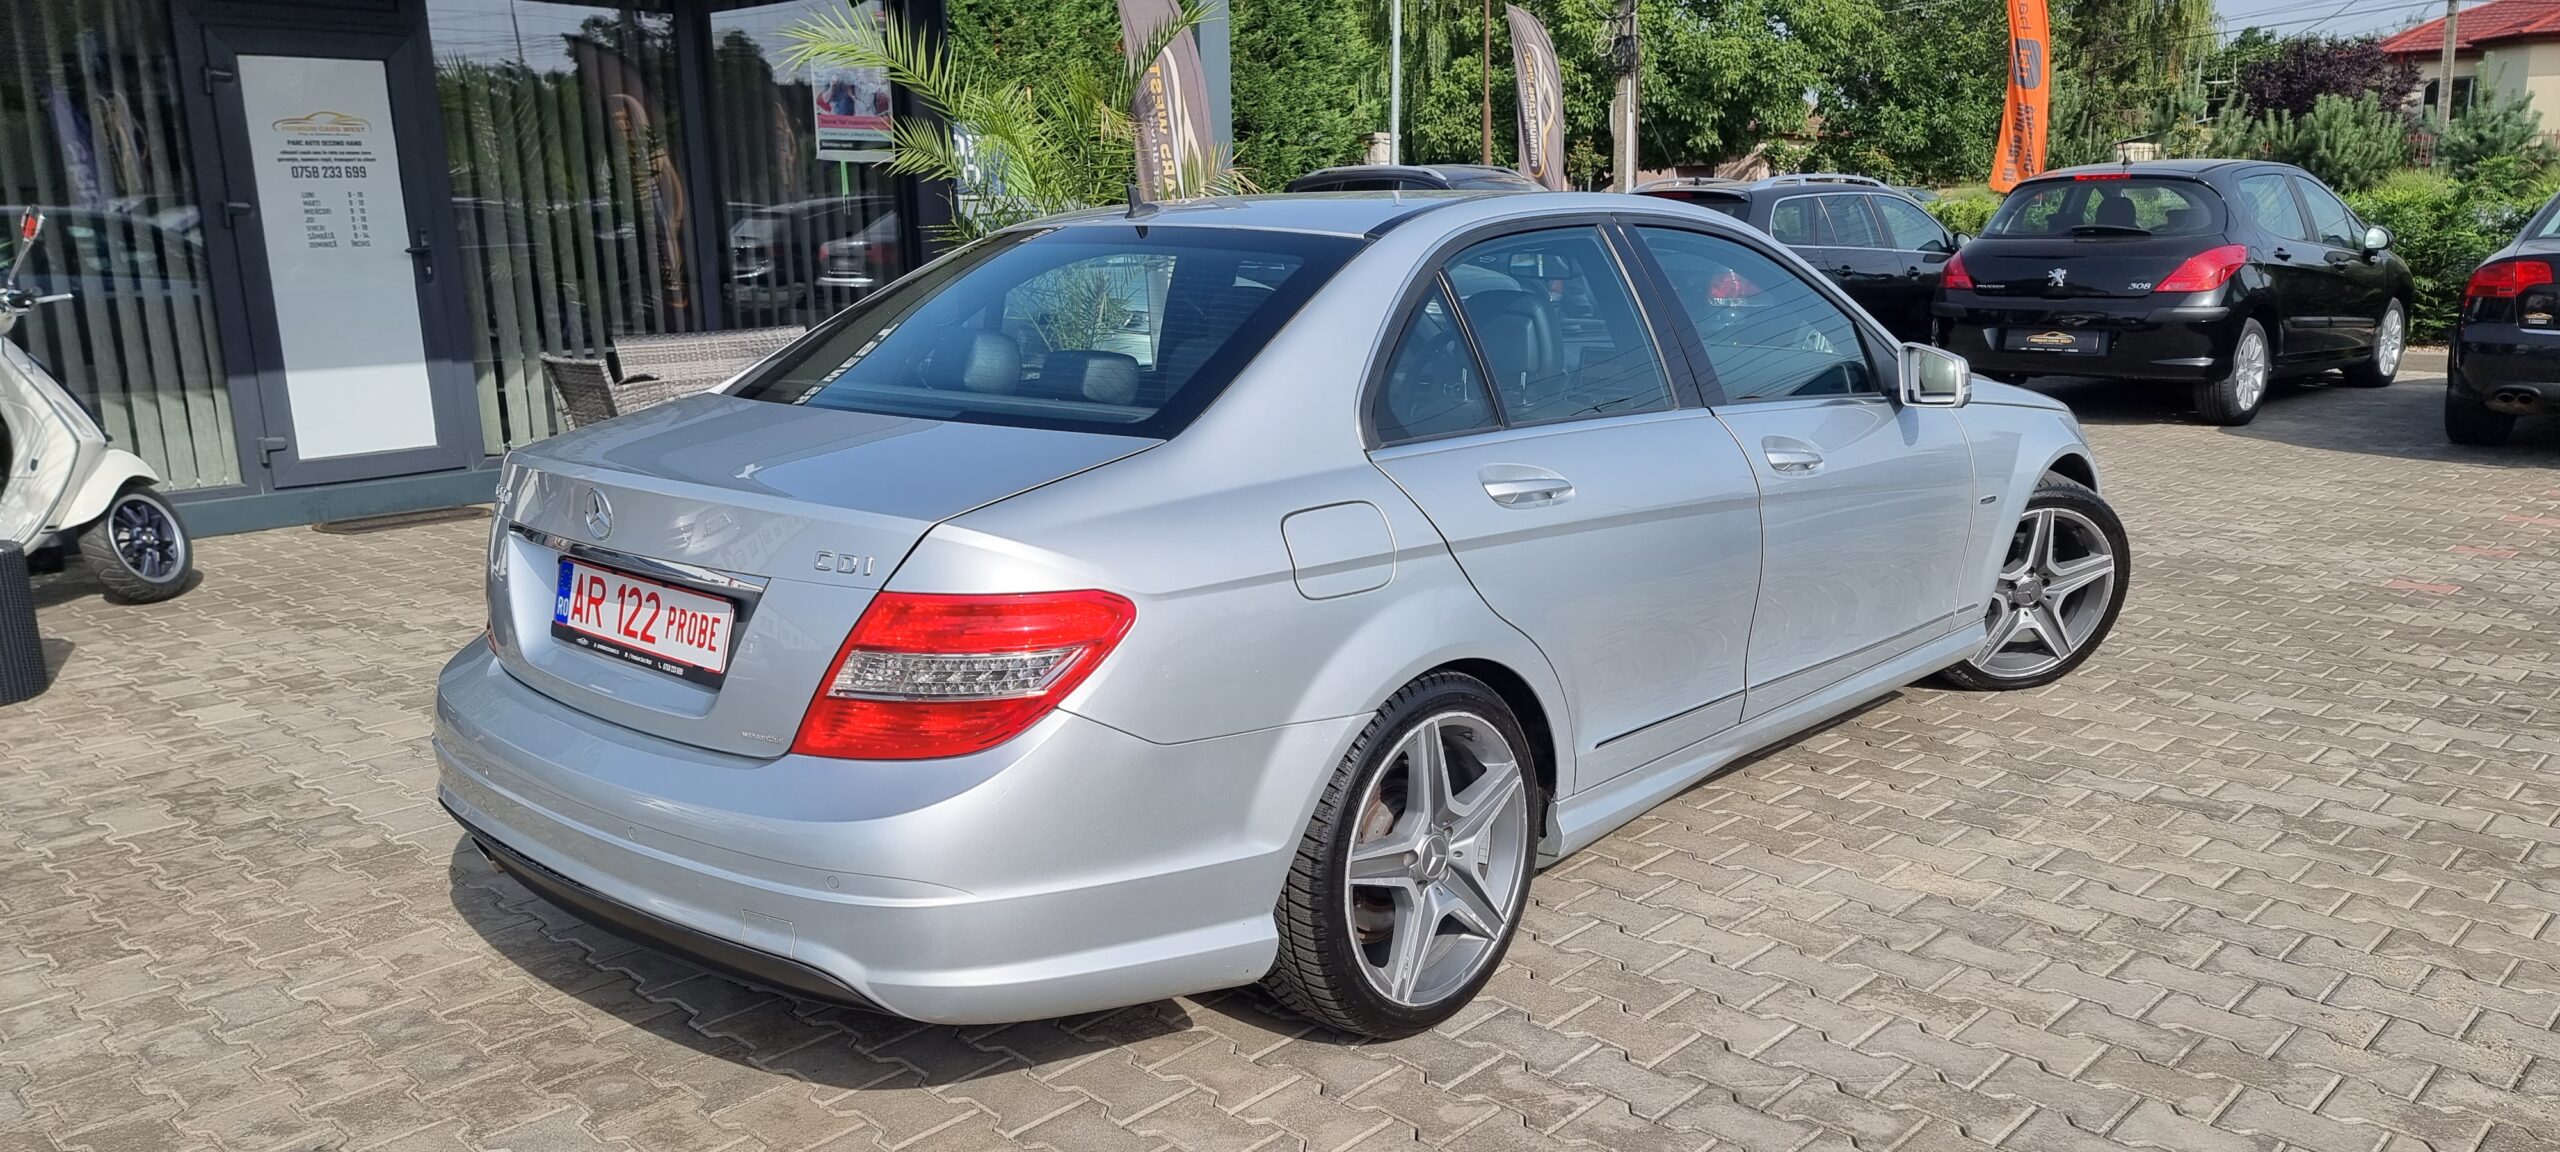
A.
x: 66, y: 488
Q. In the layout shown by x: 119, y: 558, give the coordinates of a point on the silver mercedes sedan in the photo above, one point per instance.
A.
x: 1145, y: 602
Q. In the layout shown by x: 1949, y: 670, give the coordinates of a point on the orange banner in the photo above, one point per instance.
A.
x: 2022, y: 124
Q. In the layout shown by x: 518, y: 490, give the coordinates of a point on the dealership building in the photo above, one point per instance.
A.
x: 318, y: 247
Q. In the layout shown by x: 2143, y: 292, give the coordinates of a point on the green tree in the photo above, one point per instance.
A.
x: 1911, y: 100
x: 2350, y: 144
x: 2505, y: 126
x: 1301, y: 85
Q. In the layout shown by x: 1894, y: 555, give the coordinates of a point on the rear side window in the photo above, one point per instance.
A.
x: 1432, y: 387
x: 1558, y: 327
x: 1911, y: 228
x: 2267, y: 202
x: 1851, y: 225
x: 1795, y: 222
x: 1103, y: 329
x: 1769, y: 335
x: 2130, y: 206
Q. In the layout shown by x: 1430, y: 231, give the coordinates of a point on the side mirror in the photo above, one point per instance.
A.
x: 30, y: 226
x: 1961, y: 239
x: 2377, y: 238
x: 1935, y: 377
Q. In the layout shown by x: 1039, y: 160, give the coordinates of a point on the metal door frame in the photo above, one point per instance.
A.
x: 236, y: 235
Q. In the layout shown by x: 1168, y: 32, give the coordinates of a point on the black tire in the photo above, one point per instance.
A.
x: 2393, y: 326
x: 146, y: 581
x: 1318, y: 973
x: 1976, y: 673
x: 2229, y: 401
x: 2471, y: 422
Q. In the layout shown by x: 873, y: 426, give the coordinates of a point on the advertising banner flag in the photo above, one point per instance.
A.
x: 2022, y: 121
x: 1533, y: 64
x: 851, y: 105
x: 1172, y: 104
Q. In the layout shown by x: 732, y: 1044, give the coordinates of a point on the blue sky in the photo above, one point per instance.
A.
x: 2332, y: 17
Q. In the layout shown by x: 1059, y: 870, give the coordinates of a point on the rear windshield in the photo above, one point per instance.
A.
x: 1129, y: 330
x: 2115, y: 207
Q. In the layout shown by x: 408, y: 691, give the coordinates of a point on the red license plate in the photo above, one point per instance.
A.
x: 677, y: 631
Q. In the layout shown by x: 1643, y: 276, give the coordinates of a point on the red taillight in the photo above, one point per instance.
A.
x: 1729, y: 285
x: 1955, y: 276
x: 2103, y: 176
x: 2206, y: 270
x: 926, y: 676
x: 2506, y: 278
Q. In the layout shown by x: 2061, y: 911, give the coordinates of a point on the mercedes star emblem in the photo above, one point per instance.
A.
x: 599, y: 514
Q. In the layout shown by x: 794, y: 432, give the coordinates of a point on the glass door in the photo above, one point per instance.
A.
x: 330, y: 175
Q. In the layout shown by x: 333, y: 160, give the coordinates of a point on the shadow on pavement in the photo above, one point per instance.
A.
x: 2405, y: 420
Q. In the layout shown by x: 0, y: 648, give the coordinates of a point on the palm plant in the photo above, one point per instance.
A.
x: 1010, y: 153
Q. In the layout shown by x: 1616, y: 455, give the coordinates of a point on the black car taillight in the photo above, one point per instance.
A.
x: 2506, y: 279
x: 2206, y: 270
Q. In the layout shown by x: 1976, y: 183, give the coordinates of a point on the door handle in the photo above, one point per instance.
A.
x: 1522, y: 486
x: 2339, y: 258
x: 424, y: 255
x: 1788, y: 457
x: 2281, y: 254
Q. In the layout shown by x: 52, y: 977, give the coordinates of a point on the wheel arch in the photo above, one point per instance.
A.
x: 2076, y: 467
x: 1522, y: 699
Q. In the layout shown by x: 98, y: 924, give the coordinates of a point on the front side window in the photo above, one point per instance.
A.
x: 1769, y: 335
x: 1103, y: 329
x: 2108, y: 206
x: 1558, y: 327
x: 2268, y: 203
x: 1432, y: 387
x: 1912, y: 228
x: 2331, y: 222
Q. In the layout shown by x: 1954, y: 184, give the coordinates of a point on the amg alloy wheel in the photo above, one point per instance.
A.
x: 2390, y: 339
x: 2058, y: 592
x: 1411, y: 878
x: 138, y: 549
x: 2234, y: 399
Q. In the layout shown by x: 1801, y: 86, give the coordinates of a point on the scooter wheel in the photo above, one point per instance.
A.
x: 139, y: 550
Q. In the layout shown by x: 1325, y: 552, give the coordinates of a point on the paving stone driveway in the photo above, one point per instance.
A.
x: 2278, y: 869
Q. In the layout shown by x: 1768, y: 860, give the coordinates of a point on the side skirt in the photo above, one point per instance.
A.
x: 1579, y: 820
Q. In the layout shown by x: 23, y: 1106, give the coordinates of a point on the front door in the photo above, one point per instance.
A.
x: 1865, y: 503
x: 2355, y: 286
x: 330, y: 170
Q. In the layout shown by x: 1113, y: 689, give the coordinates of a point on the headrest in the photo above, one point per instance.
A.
x: 2115, y: 212
x: 974, y: 361
x: 1102, y: 377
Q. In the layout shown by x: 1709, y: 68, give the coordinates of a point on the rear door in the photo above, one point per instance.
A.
x: 2355, y: 285
x: 2279, y: 239
x: 1801, y: 223
x: 1616, y: 529
x: 1865, y: 504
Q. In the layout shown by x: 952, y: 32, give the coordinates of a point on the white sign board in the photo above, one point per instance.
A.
x: 851, y: 105
x: 346, y: 293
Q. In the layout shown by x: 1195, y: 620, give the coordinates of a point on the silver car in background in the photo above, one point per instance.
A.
x: 1142, y: 603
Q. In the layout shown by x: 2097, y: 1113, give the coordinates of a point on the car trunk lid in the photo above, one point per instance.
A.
x: 2089, y: 267
x: 794, y: 515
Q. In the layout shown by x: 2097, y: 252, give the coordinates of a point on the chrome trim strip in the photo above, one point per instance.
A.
x: 689, y: 575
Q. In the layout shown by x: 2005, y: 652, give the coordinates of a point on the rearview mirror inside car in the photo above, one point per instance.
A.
x: 1935, y: 377
x: 2377, y: 238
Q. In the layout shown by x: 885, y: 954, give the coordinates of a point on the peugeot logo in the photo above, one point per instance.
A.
x: 599, y: 514
x: 2054, y: 277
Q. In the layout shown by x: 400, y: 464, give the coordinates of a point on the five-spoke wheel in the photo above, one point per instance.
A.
x: 1412, y: 876
x: 2058, y: 591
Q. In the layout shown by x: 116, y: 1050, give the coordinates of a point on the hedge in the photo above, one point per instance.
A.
x: 2441, y: 227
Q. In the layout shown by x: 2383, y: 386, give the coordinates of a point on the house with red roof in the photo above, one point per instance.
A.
x: 2513, y: 46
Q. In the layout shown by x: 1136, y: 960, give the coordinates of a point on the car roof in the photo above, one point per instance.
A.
x: 2192, y: 167
x: 1362, y: 214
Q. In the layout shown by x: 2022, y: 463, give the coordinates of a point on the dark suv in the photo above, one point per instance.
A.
x: 1872, y: 239
x: 2218, y: 275
x: 1412, y: 178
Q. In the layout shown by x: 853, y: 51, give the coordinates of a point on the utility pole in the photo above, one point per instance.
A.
x: 2444, y: 73
x: 1395, y: 82
x: 1626, y: 55
x: 1488, y: 83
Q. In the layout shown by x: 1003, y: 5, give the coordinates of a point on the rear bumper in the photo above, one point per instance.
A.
x: 2184, y: 344
x: 2516, y: 369
x: 1076, y: 868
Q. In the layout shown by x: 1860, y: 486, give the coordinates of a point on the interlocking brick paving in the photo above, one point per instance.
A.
x: 2277, y: 870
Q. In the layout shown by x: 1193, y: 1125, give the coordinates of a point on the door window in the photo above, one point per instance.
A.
x: 1558, y: 328
x: 1797, y: 223
x: 1911, y: 228
x: 2331, y: 222
x: 1432, y: 387
x: 1851, y: 226
x: 1768, y: 334
x: 2267, y: 203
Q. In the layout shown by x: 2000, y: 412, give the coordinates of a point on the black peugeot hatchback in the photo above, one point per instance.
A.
x: 2220, y: 275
